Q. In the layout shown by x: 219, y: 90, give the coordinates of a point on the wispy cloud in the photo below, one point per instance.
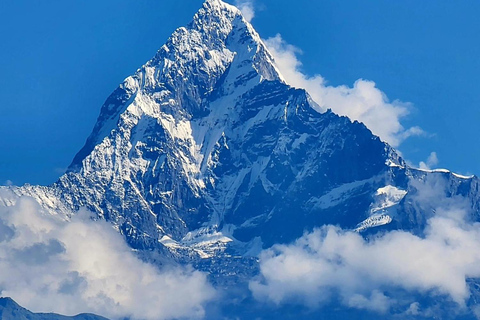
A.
x: 431, y: 161
x: 331, y: 262
x: 85, y: 266
x: 8, y: 183
x: 247, y: 9
x: 363, y: 102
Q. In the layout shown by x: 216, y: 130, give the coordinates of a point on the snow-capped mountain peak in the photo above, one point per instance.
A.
x: 206, y: 156
x: 207, y: 149
x: 187, y: 69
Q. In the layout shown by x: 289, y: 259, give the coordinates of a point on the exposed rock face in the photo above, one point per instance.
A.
x: 206, y: 155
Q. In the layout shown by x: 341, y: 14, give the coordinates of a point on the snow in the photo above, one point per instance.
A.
x: 374, y: 220
x: 391, y: 163
x: 382, y: 209
x: 300, y: 140
x: 339, y: 194
x: 204, y: 242
x: 386, y: 197
x: 460, y: 176
x: 156, y: 147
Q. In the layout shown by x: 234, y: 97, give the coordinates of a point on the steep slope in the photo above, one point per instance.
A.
x: 207, y: 135
x: 206, y: 150
x: 206, y: 156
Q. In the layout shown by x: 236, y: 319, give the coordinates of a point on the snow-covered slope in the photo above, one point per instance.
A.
x: 207, y: 152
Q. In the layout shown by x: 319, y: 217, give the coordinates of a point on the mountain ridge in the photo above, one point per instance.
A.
x: 206, y: 156
x: 10, y: 310
x: 233, y: 85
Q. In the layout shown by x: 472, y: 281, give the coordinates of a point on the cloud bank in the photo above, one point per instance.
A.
x: 363, y: 102
x: 331, y: 263
x: 49, y: 265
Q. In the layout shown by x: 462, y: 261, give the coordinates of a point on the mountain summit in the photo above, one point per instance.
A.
x: 206, y: 154
x: 186, y: 70
x: 207, y: 136
x: 206, y: 145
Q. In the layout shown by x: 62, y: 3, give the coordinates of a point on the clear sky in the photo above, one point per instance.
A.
x: 60, y: 59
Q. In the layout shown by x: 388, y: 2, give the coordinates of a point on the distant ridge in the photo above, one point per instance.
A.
x: 10, y: 310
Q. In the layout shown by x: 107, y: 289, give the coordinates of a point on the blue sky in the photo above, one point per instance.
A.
x: 62, y: 58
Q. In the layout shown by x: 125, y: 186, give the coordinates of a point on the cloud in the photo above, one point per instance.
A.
x: 334, y: 263
x: 85, y: 266
x: 8, y: 183
x: 246, y: 7
x: 432, y: 161
x: 363, y: 102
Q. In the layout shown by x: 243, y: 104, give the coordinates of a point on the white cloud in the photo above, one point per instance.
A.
x: 431, y: 162
x: 85, y: 266
x: 363, y: 102
x: 246, y: 7
x: 363, y: 273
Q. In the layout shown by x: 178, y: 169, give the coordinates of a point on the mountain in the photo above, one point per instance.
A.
x: 207, y: 147
x: 10, y: 310
x: 206, y: 155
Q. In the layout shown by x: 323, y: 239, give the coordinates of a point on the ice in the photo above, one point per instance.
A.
x: 386, y: 197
